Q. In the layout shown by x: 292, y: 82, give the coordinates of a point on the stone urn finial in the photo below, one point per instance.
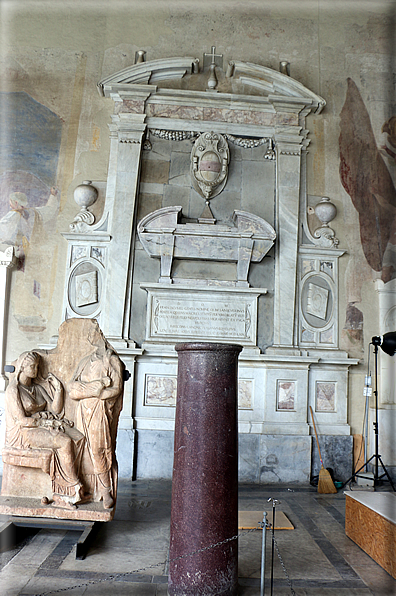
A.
x: 85, y: 195
x: 325, y: 211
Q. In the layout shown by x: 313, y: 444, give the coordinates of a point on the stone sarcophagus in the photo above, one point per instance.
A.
x: 62, y: 408
x: 164, y: 237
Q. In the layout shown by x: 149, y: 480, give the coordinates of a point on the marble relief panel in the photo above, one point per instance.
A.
x: 317, y: 300
x: 307, y: 335
x: 327, y: 337
x: 87, y: 288
x: 308, y: 265
x: 162, y: 391
x: 328, y: 268
x: 98, y: 253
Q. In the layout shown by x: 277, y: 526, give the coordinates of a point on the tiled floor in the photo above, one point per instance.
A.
x: 129, y: 554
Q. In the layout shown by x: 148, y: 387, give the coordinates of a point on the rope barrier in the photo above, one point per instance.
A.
x: 264, y: 525
x: 117, y: 576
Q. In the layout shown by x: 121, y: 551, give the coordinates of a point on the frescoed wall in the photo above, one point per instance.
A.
x: 366, y: 175
x: 29, y: 200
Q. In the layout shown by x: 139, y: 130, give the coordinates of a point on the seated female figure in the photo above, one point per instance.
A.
x: 34, y: 420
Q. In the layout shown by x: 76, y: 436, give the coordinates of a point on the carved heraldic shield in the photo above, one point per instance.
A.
x: 209, y: 164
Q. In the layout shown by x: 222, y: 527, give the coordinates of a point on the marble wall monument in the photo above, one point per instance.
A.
x: 204, y: 236
x: 62, y: 408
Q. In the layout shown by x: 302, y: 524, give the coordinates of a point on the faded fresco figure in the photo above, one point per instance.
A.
x: 97, y: 385
x: 24, y: 221
x: 34, y: 420
x: 366, y: 178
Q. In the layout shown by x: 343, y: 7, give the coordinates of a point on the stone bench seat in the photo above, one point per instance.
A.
x: 28, y: 458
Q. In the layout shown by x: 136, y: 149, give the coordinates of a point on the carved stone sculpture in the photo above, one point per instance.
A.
x: 62, y: 410
x: 35, y: 423
x: 209, y: 164
x: 97, y: 386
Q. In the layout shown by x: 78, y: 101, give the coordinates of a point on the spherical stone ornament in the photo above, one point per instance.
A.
x: 325, y: 211
x: 85, y: 194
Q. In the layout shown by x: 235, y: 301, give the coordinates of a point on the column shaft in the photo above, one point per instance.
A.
x: 205, y: 472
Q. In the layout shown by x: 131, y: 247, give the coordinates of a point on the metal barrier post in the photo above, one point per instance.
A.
x: 274, y: 504
x: 262, y: 586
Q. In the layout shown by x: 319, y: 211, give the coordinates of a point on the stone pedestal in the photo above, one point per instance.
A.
x: 205, y: 472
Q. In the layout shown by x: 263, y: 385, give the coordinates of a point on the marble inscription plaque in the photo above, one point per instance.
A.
x: 225, y: 319
x: 179, y: 313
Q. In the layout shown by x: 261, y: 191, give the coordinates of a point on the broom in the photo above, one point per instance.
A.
x: 325, y: 484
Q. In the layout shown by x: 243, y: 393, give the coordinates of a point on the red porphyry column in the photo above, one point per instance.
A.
x: 205, y: 472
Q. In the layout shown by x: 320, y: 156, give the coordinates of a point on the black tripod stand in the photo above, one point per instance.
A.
x: 376, y: 341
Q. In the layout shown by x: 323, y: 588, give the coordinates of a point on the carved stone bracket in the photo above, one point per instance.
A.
x: 326, y: 237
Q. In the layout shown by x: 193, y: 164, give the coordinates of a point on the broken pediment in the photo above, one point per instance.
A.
x: 187, y: 76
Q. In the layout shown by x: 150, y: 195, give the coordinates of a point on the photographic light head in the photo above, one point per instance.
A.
x: 387, y: 342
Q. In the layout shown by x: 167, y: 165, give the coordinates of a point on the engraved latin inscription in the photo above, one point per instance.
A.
x: 194, y: 318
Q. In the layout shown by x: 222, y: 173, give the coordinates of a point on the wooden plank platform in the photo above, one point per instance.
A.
x: 370, y: 521
x: 248, y: 520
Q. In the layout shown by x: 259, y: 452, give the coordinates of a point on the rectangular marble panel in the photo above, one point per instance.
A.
x: 162, y: 391
x: 325, y: 396
x: 286, y: 393
x: 245, y: 394
x: 125, y: 452
x: 155, y: 454
x: 285, y: 459
x: 181, y: 313
x: 249, y: 458
x: 337, y: 453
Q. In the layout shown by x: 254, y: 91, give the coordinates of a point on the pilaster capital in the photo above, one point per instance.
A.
x: 129, y: 128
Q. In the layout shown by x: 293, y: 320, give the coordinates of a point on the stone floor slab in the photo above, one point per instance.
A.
x: 319, y: 558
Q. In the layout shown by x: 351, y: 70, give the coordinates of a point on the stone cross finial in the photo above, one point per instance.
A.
x: 212, y: 58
